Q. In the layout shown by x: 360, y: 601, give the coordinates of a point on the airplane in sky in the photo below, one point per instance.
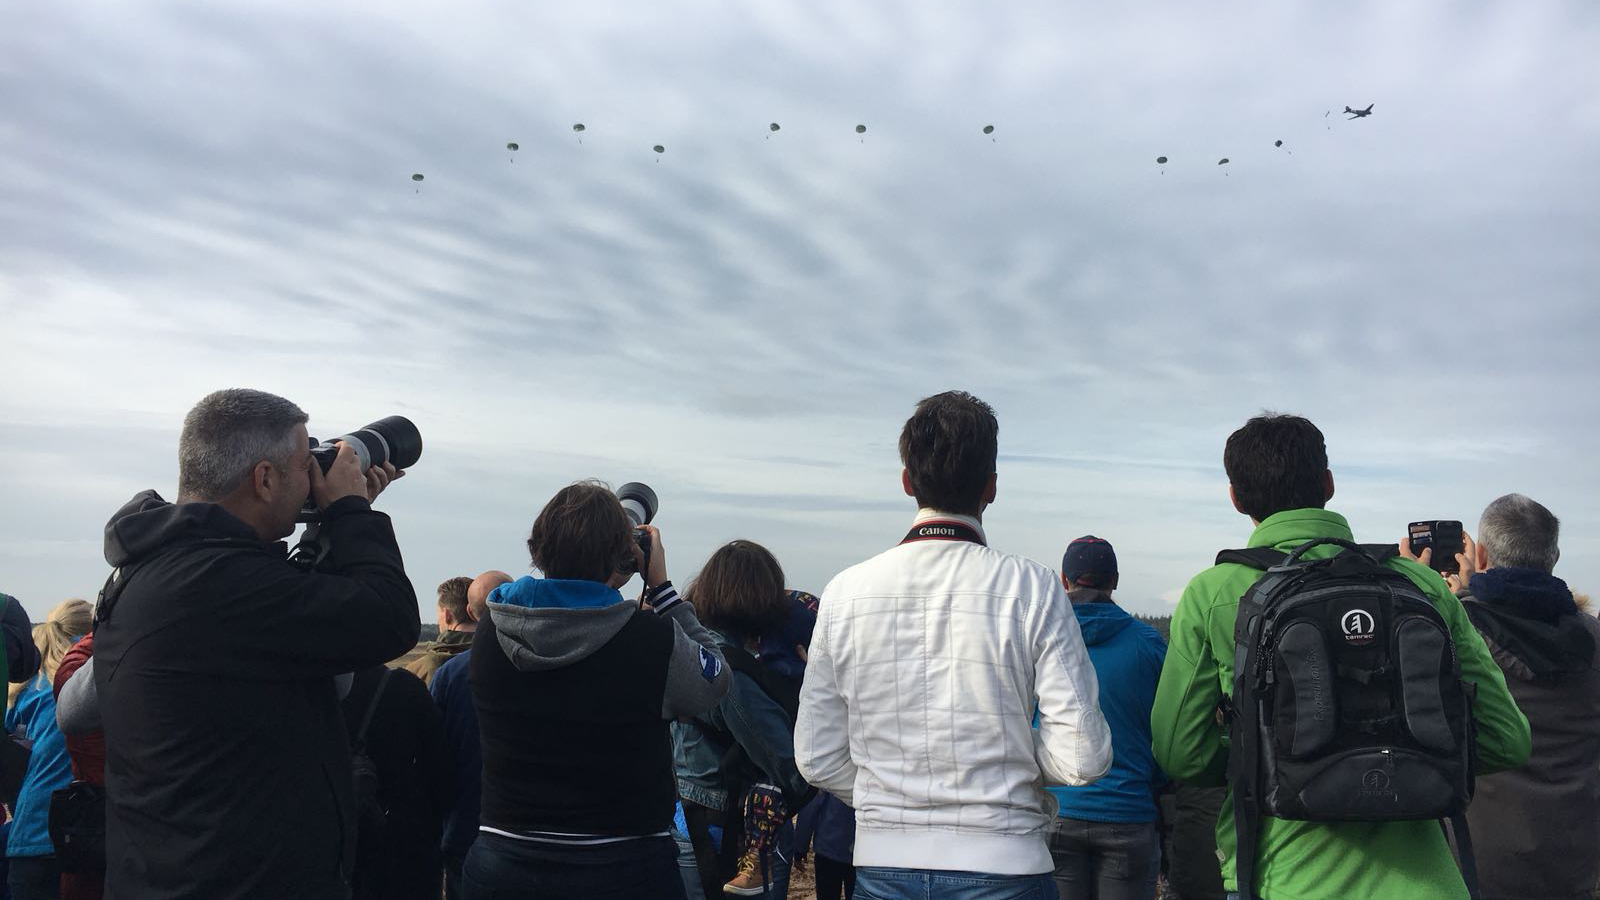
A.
x: 1360, y: 113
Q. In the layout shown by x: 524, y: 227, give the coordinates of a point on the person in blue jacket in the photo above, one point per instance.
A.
x: 1105, y: 842
x: 33, y: 873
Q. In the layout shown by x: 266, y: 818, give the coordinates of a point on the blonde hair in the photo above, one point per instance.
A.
x: 70, y: 620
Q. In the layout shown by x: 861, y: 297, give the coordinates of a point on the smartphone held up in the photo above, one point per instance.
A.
x: 1444, y: 536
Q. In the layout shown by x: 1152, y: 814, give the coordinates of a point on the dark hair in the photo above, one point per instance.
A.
x: 453, y: 597
x: 582, y: 533
x: 949, y: 446
x: 739, y: 590
x: 1277, y: 462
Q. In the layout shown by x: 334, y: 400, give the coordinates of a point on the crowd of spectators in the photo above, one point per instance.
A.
x: 944, y: 720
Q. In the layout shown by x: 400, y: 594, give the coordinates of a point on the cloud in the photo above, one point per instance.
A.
x: 207, y: 194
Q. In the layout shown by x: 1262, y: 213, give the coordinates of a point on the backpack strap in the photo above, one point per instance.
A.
x: 1262, y: 558
x: 1469, y: 863
x: 372, y: 707
x: 1381, y: 553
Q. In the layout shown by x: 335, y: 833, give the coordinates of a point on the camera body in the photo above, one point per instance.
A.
x: 394, y: 440
x: 640, y: 504
x: 1444, y: 536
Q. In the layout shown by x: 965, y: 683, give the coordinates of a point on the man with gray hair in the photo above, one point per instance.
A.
x: 1534, y: 827
x: 228, y: 769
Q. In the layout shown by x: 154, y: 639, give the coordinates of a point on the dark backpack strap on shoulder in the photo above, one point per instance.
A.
x: 1262, y: 558
x: 372, y: 707
x: 783, y: 691
x: 1381, y: 553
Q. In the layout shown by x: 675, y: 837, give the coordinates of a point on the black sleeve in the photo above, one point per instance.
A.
x: 357, y: 609
x: 22, y: 657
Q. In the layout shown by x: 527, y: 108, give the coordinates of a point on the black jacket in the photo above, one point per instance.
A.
x: 227, y: 767
x: 405, y: 741
x: 1534, y: 827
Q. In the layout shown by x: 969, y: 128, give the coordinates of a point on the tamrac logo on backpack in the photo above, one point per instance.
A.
x: 1358, y: 627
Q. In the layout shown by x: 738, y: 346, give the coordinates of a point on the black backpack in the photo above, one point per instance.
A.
x: 1348, y: 703
x: 372, y: 817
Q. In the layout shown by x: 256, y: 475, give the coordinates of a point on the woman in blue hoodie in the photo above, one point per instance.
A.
x: 33, y: 873
x: 574, y: 688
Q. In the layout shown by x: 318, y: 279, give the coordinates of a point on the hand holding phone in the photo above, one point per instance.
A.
x: 1443, y: 537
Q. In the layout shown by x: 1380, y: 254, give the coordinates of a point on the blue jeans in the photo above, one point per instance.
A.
x: 34, y: 878
x: 878, y: 883
x: 1105, y: 860
x: 502, y: 868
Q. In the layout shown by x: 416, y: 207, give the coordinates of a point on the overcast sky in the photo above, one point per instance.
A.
x: 196, y: 195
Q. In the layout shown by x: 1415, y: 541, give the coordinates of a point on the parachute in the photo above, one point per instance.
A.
x: 417, y: 177
x: 577, y: 128
x: 1223, y: 161
x: 513, y: 146
x: 773, y: 127
x: 659, y: 149
x: 861, y: 129
x: 988, y: 129
x: 1161, y: 160
x: 1277, y: 143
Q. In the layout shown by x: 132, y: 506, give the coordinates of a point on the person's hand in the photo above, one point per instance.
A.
x: 799, y: 864
x: 379, y: 477
x: 658, y: 557
x: 343, y: 479
x: 1425, y: 559
x: 1461, y: 580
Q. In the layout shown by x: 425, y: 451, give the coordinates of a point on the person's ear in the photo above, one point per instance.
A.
x: 1481, y: 557
x: 265, y: 481
x: 1327, y: 485
x: 1113, y: 585
x: 989, y: 489
x: 905, y: 482
x: 1233, y: 497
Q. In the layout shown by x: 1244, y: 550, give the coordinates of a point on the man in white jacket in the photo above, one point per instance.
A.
x: 925, y: 670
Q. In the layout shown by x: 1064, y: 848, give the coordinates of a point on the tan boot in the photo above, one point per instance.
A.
x: 748, y: 882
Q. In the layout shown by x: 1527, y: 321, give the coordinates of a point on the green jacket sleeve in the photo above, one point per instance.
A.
x: 1185, y: 737
x: 1504, y: 740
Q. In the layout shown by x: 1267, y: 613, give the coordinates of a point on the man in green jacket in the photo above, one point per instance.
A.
x: 1278, y: 475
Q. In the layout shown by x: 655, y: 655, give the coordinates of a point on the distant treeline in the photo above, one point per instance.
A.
x: 1162, y: 624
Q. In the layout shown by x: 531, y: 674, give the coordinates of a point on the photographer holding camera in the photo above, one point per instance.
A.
x: 575, y: 687
x: 228, y: 770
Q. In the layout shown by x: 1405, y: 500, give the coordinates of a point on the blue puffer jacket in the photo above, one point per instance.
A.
x: 49, y: 769
x: 1127, y: 656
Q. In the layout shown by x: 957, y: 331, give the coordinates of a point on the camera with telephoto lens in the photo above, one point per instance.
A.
x: 640, y: 504
x: 392, y: 440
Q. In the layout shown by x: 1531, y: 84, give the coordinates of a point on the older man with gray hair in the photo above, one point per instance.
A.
x: 227, y: 768
x: 1534, y: 827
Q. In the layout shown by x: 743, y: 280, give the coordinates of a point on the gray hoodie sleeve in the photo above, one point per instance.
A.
x: 697, y: 675
x: 78, y: 706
